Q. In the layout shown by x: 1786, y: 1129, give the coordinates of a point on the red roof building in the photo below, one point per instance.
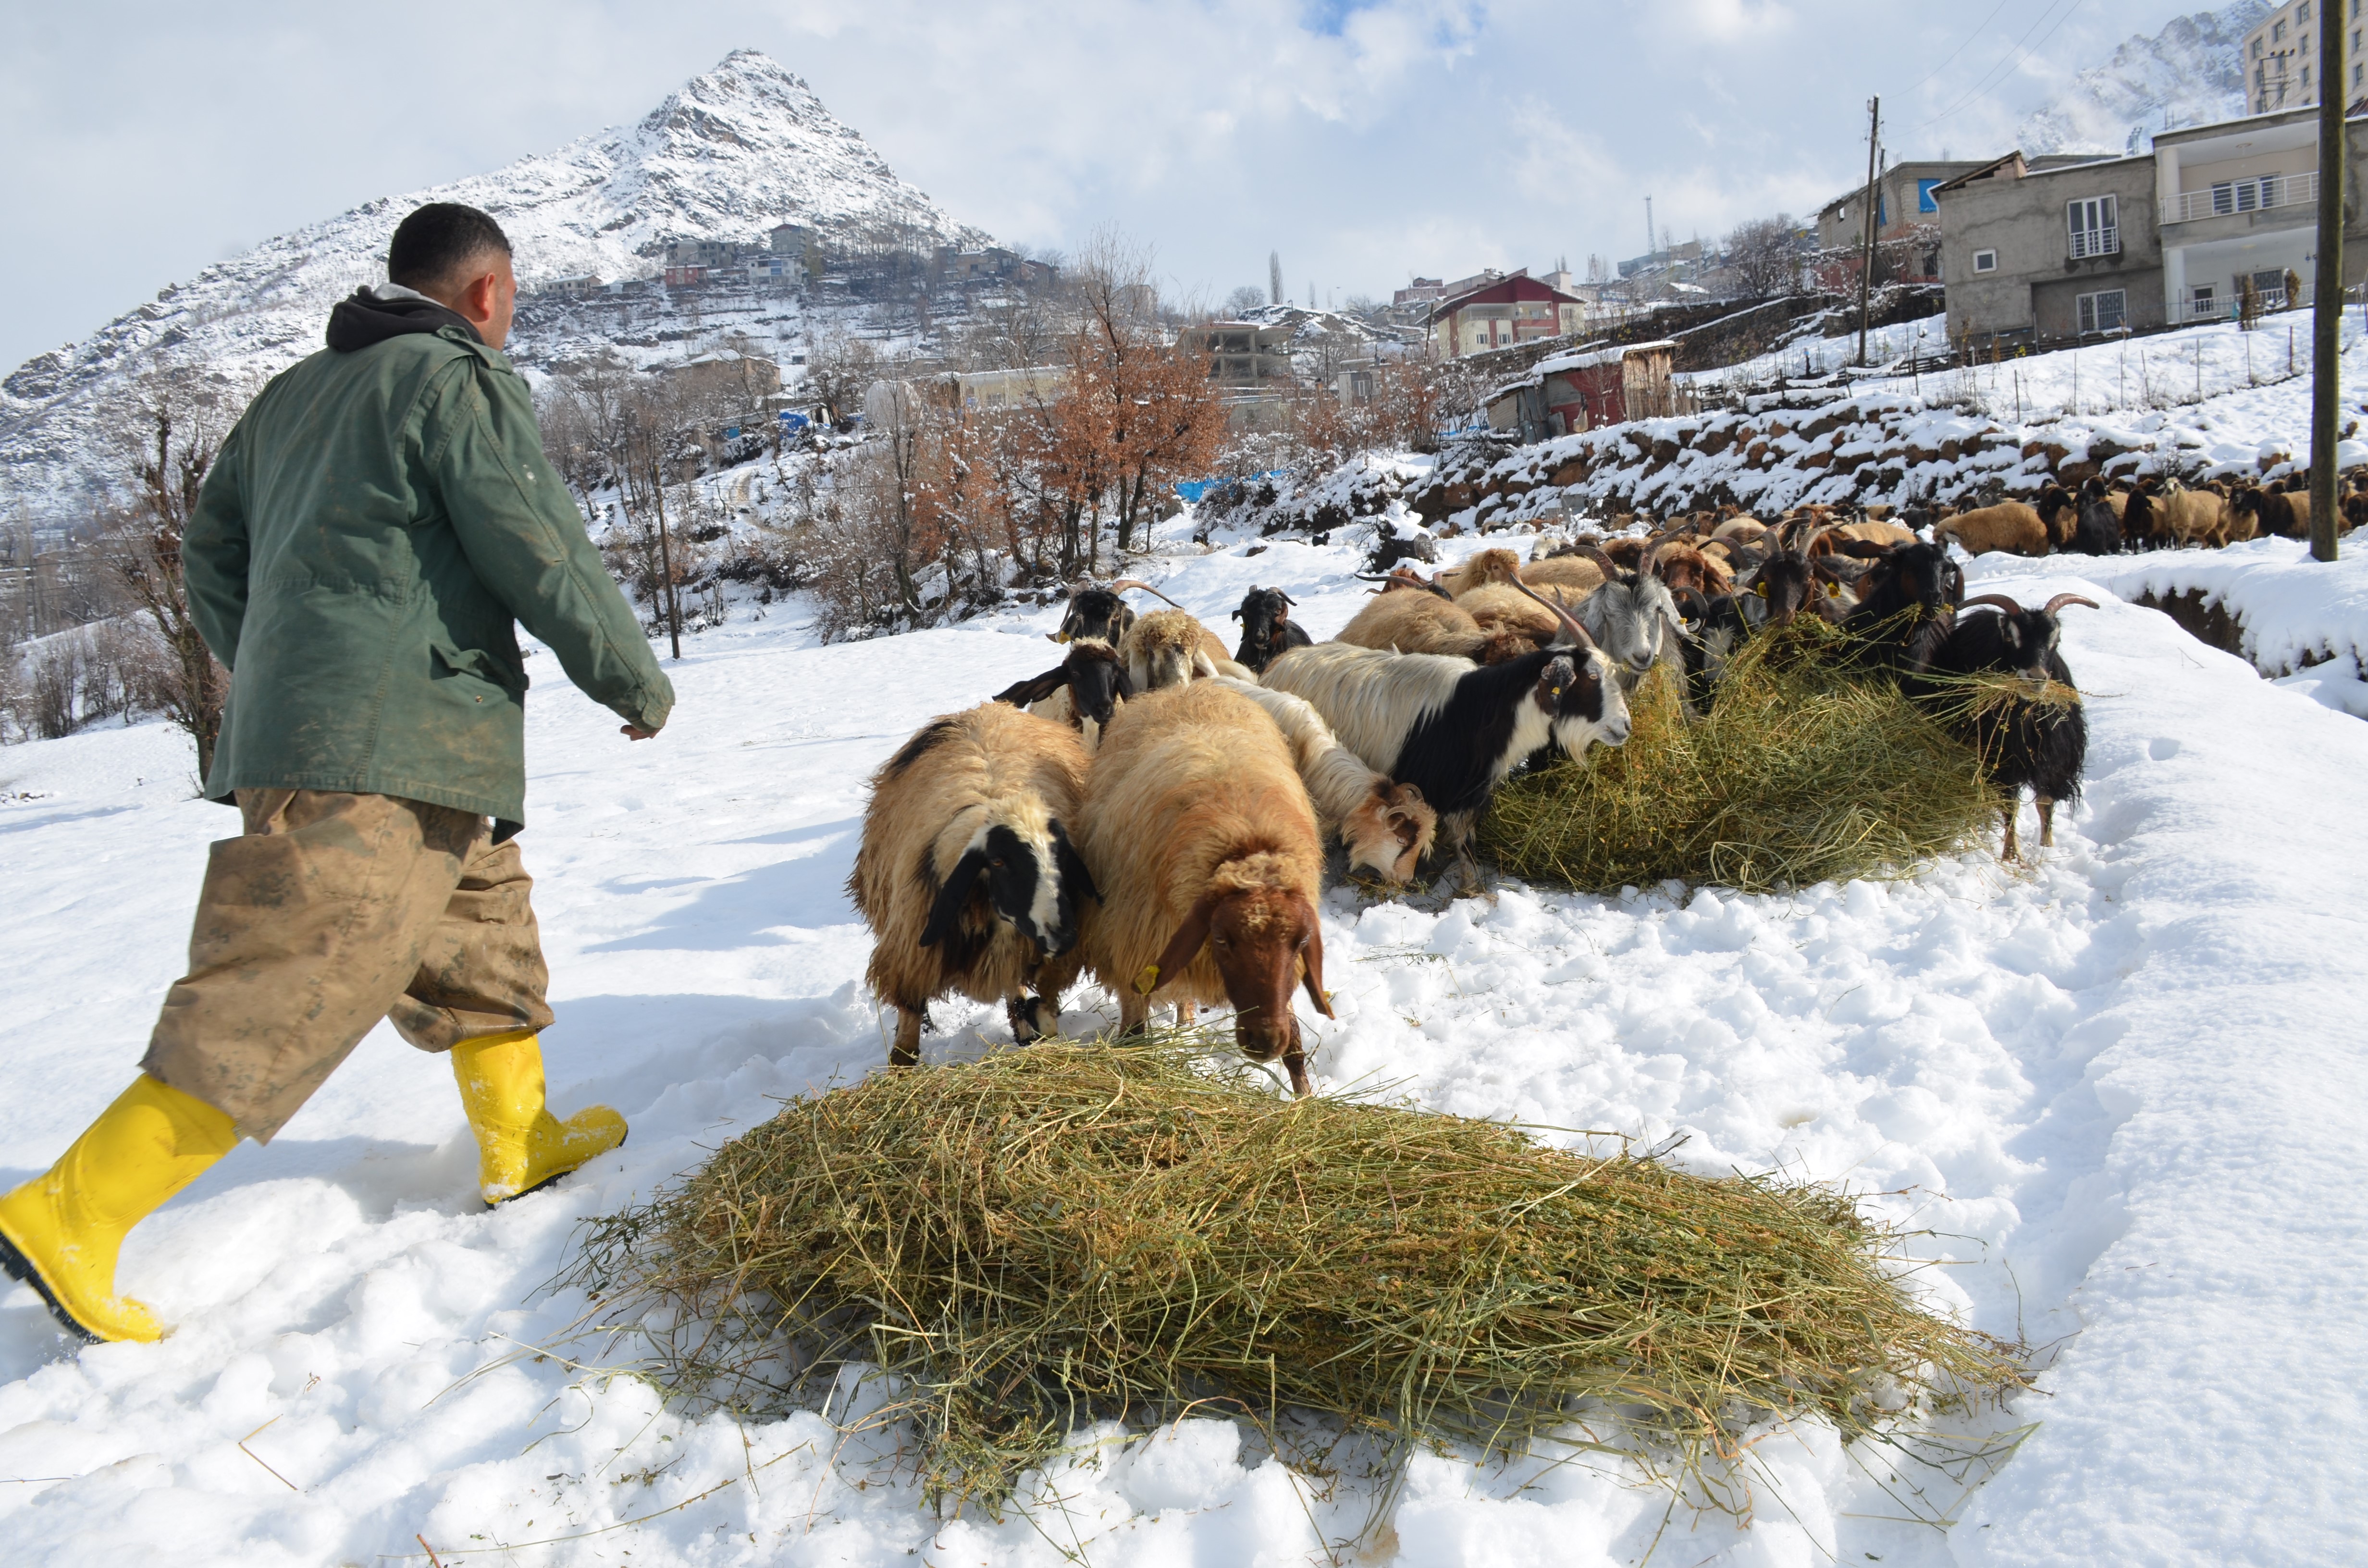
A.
x: 1516, y: 308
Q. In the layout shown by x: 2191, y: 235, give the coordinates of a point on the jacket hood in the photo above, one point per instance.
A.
x: 378, y: 311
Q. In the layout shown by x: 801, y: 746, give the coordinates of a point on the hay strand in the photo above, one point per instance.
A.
x: 1069, y: 1234
x: 1803, y: 771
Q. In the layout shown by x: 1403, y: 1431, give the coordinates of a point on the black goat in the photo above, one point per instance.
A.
x: 1267, y: 630
x: 2042, y: 744
x: 1097, y: 612
x: 1907, y: 604
x: 2096, y: 531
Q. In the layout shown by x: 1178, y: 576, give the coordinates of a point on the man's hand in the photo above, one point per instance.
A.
x: 635, y: 733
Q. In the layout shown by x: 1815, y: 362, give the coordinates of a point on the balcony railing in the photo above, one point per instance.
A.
x: 2229, y: 197
x: 2106, y: 240
x: 2222, y: 307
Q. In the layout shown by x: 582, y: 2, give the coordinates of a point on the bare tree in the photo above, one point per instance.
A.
x: 168, y: 426
x: 1246, y: 298
x: 1764, y: 255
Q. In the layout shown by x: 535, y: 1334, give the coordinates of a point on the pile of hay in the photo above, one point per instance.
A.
x: 1076, y: 1232
x: 1803, y: 771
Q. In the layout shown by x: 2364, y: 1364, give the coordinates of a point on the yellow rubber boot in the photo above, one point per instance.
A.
x: 60, y: 1233
x: 521, y: 1145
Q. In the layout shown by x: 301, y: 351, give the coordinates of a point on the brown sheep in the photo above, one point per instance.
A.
x: 2263, y: 512
x: 1501, y: 606
x: 1682, y: 565
x: 1387, y: 827
x: 2187, y: 516
x: 1876, y: 531
x: 1210, y: 866
x: 1575, y: 575
x: 1169, y: 647
x: 2009, y: 526
x: 1740, y: 530
x: 1494, y: 565
x: 1421, y: 623
x: 966, y: 874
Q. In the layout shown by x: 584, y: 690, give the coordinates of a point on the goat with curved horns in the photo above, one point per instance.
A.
x: 1455, y: 729
x: 2021, y: 741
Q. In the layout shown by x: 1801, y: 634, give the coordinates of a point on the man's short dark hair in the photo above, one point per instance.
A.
x: 436, y: 242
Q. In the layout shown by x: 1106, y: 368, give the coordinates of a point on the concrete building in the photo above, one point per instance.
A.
x: 1247, y: 355
x: 2168, y: 237
x: 2281, y: 58
x: 2053, y: 252
x: 1510, y: 309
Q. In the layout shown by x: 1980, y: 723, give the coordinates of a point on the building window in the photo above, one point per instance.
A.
x: 2302, y: 15
x: 2270, y: 285
x: 2105, y: 311
x: 1986, y: 261
x: 2203, y: 302
x: 2257, y: 48
x: 2305, y: 78
x: 2278, y: 33
x: 2246, y: 195
x: 2094, y: 227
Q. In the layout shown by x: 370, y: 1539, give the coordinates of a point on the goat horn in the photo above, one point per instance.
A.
x: 1996, y: 601
x: 1124, y: 583
x: 1595, y: 554
x: 2060, y: 600
x: 1579, y: 637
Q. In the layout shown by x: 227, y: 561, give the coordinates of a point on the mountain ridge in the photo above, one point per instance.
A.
x: 2191, y: 73
x: 733, y: 152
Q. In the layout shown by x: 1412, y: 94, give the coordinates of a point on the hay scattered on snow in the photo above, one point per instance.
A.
x: 1069, y: 1234
x: 1804, y: 771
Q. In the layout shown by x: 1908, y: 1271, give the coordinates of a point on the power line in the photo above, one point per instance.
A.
x: 1964, y: 45
x: 1997, y: 72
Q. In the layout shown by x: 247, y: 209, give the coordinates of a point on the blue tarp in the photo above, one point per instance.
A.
x: 1192, y: 490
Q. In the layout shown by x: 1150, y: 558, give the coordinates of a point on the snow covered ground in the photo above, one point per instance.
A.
x: 2120, y: 1093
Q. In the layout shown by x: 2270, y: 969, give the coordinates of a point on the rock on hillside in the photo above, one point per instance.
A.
x: 744, y: 147
x: 2188, y: 73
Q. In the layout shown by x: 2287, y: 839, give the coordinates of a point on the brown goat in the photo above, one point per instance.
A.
x: 1210, y: 867
x: 1575, y: 575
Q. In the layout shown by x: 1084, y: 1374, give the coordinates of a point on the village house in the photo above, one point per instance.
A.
x: 1511, y: 309
x: 1903, y: 198
x: 2170, y: 236
x: 1565, y: 393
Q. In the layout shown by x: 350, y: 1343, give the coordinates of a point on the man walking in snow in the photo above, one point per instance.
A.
x: 372, y: 531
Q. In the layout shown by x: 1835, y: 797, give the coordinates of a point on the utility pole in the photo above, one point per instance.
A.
x: 1650, y: 243
x: 2327, y: 309
x: 665, y: 560
x: 1873, y: 199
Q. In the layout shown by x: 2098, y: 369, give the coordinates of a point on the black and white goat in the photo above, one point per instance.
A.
x: 1082, y: 691
x: 2023, y: 742
x: 1267, y: 630
x: 1452, y: 728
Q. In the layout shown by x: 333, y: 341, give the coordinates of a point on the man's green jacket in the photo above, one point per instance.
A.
x: 360, y: 550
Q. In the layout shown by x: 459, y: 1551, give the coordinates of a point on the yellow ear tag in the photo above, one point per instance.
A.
x: 1148, y: 981
x: 1760, y: 588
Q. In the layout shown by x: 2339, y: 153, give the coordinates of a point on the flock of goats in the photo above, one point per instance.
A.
x: 1154, y: 809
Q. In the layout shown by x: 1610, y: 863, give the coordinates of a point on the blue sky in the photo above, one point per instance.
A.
x: 1365, y: 140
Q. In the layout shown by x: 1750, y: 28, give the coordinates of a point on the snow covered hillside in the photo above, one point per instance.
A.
x: 2119, y: 1094
x: 736, y: 150
x: 2188, y: 73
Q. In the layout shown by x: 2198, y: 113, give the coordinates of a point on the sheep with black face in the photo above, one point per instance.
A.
x: 1267, y: 630
x: 1082, y: 691
x: 966, y: 874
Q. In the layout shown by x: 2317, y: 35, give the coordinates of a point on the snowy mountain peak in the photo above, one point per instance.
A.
x: 733, y: 151
x: 2188, y: 73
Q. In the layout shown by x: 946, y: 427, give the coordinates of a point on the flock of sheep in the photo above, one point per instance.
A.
x: 1153, y: 811
x: 2154, y: 513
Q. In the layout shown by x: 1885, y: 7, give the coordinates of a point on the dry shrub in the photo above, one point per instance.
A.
x: 1069, y: 1234
x: 1801, y: 772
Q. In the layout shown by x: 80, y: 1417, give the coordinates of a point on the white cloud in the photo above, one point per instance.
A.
x: 1431, y: 136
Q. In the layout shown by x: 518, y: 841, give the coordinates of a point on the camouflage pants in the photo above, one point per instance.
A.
x: 331, y: 912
